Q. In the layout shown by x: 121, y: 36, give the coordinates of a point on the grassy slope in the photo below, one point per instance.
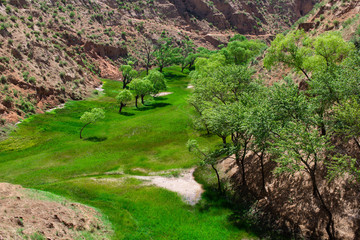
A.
x: 46, y: 153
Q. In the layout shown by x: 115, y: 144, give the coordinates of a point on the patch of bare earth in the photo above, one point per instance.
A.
x: 161, y: 94
x: 184, y: 184
x: 25, y: 213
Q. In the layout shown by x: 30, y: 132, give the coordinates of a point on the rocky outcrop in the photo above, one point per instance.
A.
x: 103, y: 51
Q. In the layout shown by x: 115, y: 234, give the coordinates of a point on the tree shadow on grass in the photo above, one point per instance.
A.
x: 160, y: 98
x: 127, y: 114
x: 96, y: 139
x: 152, y: 106
x: 171, y: 75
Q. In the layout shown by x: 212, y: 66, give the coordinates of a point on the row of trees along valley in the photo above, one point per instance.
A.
x: 297, y: 128
x: 165, y: 52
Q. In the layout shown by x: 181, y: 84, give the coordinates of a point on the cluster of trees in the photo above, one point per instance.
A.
x: 294, y: 127
x: 153, y: 83
x: 167, y: 51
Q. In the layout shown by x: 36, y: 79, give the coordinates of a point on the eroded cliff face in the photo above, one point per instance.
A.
x: 246, y: 17
x: 52, y: 51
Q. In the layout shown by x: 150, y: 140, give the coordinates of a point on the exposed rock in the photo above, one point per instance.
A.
x: 306, y: 26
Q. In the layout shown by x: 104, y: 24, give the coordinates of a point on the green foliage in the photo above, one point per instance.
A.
x: 165, y: 53
x: 124, y: 96
x: 242, y: 52
x: 128, y: 74
x: 305, y: 54
x: 287, y: 50
x: 326, y: 51
x: 157, y: 80
x: 141, y: 87
x: 94, y: 115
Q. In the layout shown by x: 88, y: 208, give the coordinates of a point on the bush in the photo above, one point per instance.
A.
x: 3, y: 79
x: 25, y: 75
x: 32, y: 80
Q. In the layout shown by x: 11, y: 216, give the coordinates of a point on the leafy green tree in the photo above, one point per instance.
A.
x: 304, y: 54
x: 157, y: 80
x: 299, y: 147
x: 241, y: 134
x: 148, y: 54
x: 261, y: 125
x: 166, y: 53
x: 334, y: 84
x: 123, y: 98
x: 287, y: 102
x: 91, y: 117
x: 243, y: 51
x: 218, y: 83
x: 327, y: 50
x: 187, y: 49
x: 207, y: 157
x: 217, y: 121
x: 128, y: 74
x: 289, y: 51
x: 141, y: 88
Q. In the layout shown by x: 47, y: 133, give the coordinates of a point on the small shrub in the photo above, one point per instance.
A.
x: 32, y: 80
x: 25, y: 75
x: 3, y: 79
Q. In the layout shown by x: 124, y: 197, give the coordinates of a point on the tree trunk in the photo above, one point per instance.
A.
x: 121, y: 106
x: 262, y: 170
x: 161, y: 68
x: 136, y: 101
x: 357, y: 142
x: 218, y: 178
x: 183, y: 67
x: 142, y: 99
x: 240, y: 164
x: 243, y: 164
x: 224, y: 141
x: 83, y: 129
x: 330, y: 225
x: 147, y: 69
x: 124, y: 84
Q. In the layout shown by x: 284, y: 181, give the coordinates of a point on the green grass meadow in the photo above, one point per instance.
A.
x: 46, y: 153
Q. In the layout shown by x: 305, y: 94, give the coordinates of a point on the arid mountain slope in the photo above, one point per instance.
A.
x: 52, y: 51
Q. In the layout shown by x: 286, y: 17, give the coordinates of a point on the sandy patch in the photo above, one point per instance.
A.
x: 162, y: 94
x: 57, y: 107
x: 185, y: 185
x: 100, y: 89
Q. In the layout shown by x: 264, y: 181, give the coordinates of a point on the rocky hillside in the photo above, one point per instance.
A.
x: 52, y: 51
x: 328, y: 15
x: 32, y: 214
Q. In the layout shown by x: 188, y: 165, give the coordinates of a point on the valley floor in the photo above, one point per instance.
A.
x: 45, y: 153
